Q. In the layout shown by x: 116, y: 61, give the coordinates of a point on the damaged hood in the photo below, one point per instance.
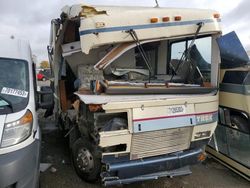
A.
x: 232, y: 52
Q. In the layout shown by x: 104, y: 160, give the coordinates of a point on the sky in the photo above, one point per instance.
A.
x: 30, y: 19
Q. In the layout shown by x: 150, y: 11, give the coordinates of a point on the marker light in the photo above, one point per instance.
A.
x: 153, y: 20
x: 217, y: 15
x: 165, y: 19
x: 177, y: 18
x: 201, y: 157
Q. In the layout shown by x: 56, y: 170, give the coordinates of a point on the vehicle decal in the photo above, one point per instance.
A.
x: 175, y: 116
x: 14, y: 92
x: 145, y: 26
x: 175, y: 121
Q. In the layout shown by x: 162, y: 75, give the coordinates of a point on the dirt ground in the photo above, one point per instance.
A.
x: 61, y: 174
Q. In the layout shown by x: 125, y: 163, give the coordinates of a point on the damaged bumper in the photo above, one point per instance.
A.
x: 151, y: 168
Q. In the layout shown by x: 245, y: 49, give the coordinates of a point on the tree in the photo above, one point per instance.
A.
x: 44, y: 65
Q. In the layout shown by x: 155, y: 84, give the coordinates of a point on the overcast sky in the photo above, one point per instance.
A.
x: 30, y: 19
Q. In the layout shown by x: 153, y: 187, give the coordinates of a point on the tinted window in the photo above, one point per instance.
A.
x: 247, y: 80
x: 235, y: 77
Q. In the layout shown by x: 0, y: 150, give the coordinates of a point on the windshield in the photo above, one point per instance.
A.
x: 196, y: 67
x: 14, y: 85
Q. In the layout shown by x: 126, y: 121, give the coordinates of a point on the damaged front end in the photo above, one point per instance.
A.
x: 139, y: 102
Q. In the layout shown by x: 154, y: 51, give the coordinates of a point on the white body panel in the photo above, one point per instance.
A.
x: 109, y: 26
x: 19, y: 49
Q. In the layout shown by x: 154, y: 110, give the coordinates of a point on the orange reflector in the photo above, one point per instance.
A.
x: 165, y: 19
x: 177, y: 18
x: 217, y: 15
x: 153, y: 20
x: 95, y: 107
x: 202, y: 157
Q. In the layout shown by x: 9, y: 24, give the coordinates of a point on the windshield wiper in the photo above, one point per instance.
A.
x: 141, y: 50
x: 186, y: 53
x: 7, y: 101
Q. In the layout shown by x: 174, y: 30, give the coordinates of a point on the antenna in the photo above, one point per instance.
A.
x: 157, y: 4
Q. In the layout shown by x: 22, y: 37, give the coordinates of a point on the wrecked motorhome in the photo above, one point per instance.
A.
x: 230, y: 142
x: 136, y: 88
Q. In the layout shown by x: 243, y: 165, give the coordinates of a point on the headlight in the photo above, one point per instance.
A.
x: 17, y: 131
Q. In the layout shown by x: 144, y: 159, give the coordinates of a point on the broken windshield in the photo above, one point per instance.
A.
x: 14, y: 85
x: 121, y: 68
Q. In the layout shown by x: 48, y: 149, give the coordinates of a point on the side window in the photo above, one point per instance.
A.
x: 247, y: 79
x: 235, y: 77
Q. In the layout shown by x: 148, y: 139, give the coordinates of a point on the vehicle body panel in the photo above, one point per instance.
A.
x: 231, y: 141
x: 20, y: 162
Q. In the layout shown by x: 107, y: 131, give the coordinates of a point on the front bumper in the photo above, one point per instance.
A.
x: 21, y: 168
x: 150, y: 168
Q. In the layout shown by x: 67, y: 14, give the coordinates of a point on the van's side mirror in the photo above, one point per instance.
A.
x: 46, y: 98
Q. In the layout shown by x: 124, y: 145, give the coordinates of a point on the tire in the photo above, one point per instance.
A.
x: 240, y: 123
x: 83, y: 148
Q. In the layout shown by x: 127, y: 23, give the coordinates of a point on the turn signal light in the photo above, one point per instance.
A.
x: 154, y: 20
x: 27, y: 118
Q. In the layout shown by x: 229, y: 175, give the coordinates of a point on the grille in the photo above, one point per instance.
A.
x: 153, y: 143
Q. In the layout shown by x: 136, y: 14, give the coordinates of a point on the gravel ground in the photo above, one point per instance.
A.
x: 61, y: 174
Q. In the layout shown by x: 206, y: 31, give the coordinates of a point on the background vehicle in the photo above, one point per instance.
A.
x: 43, y: 74
x: 19, y: 131
x: 231, y: 141
x: 136, y: 88
x: 40, y: 77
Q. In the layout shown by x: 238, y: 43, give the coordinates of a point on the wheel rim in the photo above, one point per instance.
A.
x: 84, y: 160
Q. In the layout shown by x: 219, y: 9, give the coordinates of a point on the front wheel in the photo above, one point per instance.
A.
x: 86, y: 160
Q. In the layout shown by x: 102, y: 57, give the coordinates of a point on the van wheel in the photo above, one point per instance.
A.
x: 240, y: 123
x: 86, y: 160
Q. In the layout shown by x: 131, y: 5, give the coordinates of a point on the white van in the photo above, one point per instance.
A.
x: 20, y: 136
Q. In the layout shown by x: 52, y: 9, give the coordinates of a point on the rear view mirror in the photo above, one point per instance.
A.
x: 46, y: 98
x: 232, y: 52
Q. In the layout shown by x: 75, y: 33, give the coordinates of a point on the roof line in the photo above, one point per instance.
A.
x: 145, y: 26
